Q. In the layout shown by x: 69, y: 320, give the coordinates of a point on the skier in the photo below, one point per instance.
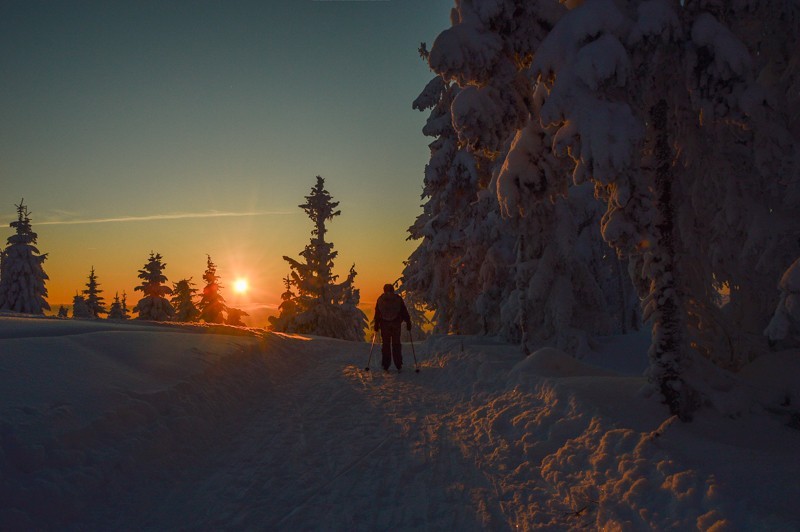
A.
x: 390, y: 313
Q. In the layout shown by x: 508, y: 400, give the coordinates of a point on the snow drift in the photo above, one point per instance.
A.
x: 133, y: 426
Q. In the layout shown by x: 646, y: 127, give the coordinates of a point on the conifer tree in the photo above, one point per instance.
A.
x: 212, y: 304
x: 683, y: 116
x: 320, y: 303
x: 183, y: 301
x: 235, y: 317
x: 154, y: 305
x: 79, y: 308
x: 125, y: 311
x: 116, y: 312
x: 63, y: 312
x: 22, y: 277
x: 287, y: 310
x: 416, y: 310
x: 353, y: 315
x: 442, y: 271
x: 93, y: 299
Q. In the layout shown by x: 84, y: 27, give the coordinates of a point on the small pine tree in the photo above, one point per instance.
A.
x: 154, y: 305
x: 63, y: 312
x: 116, y: 312
x: 235, y: 317
x: 126, y: 314
x: 212, y: 304
x: 183, y: 300
x: 94, y: 301
x: 287, y: 309
x: 22, y: 277
x: 353, y: 317
x: 79, y: 308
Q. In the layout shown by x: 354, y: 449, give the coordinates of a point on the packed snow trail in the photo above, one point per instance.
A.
x: 329, y: 446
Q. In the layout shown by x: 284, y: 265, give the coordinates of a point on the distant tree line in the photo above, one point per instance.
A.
x: 182, y: 305
x: 22, y: 287
x: 313, y: 302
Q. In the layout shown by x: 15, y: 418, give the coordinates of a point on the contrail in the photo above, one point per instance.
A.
x: 177, y: 216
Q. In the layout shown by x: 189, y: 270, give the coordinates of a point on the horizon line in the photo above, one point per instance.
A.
x: 155, y: 217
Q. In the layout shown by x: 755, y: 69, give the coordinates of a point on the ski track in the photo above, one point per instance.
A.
x: 330, y: 447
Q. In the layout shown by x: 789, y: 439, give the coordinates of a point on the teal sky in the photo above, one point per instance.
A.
x: 123, y: 110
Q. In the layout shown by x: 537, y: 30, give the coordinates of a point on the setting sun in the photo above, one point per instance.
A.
x: 240, y: 285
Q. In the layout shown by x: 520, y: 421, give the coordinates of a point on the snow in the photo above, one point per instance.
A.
x: 729, y: 52
x: 655, y: 17
x: 150, y: 426
x: 465, y: 51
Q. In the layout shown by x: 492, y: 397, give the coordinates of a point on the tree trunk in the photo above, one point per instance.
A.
x: 669, y: 354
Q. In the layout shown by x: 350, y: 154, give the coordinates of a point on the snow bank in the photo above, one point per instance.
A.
x: 568, y: 443
x: 83, y: 402
x: 100, y: 422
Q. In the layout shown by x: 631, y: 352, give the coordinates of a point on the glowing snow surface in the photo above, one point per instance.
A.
x: 132, y: 426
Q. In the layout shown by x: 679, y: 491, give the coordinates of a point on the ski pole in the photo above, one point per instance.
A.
x: 374, y: 334
x: 413, y: 351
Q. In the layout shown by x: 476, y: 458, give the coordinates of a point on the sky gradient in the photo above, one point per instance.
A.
x: 188, y: 128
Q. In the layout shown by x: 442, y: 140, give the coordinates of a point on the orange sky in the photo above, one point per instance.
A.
x: 146, y: 121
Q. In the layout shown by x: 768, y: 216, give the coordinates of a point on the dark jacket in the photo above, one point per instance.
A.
x: 390, y: 307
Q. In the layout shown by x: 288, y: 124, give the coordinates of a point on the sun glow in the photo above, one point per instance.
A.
x: 240, y: 285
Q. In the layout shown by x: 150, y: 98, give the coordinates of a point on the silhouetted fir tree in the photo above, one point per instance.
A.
x: 212, y: 304
x: 125, y: 311
x: 22, y: 276
x: 319, y: 304
x: 287, y: 309
x: 154, y: 305
x: 117, y: 312
x: 183, y: 301
x: 94, y: 301
x: 79, y: 307
x: 235, y: 317
x: 63, y: 312
x: 351, y: 297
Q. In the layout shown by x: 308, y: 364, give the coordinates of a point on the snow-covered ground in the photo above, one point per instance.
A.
x: 128, y: 426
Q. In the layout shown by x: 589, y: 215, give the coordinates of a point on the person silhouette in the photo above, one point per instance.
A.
x: 390, y: 313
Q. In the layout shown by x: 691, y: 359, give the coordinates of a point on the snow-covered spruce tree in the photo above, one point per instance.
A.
x: 657, y: 103
x: 79, y: 308
x: 449, y: 187
x: 484, y: 275
x: 22, y: 277
x: 565, y: 275
x: 92, y: 297
x: 116, y: 312
x: 459, y: 249
x: 556, y: 294
x: 583, y: 72
x: 154, y: 305
x: 235, y: 317
x: 183, y: 301
x: 416, y: 310
x: 320, y: 302
x: 212, y: 304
